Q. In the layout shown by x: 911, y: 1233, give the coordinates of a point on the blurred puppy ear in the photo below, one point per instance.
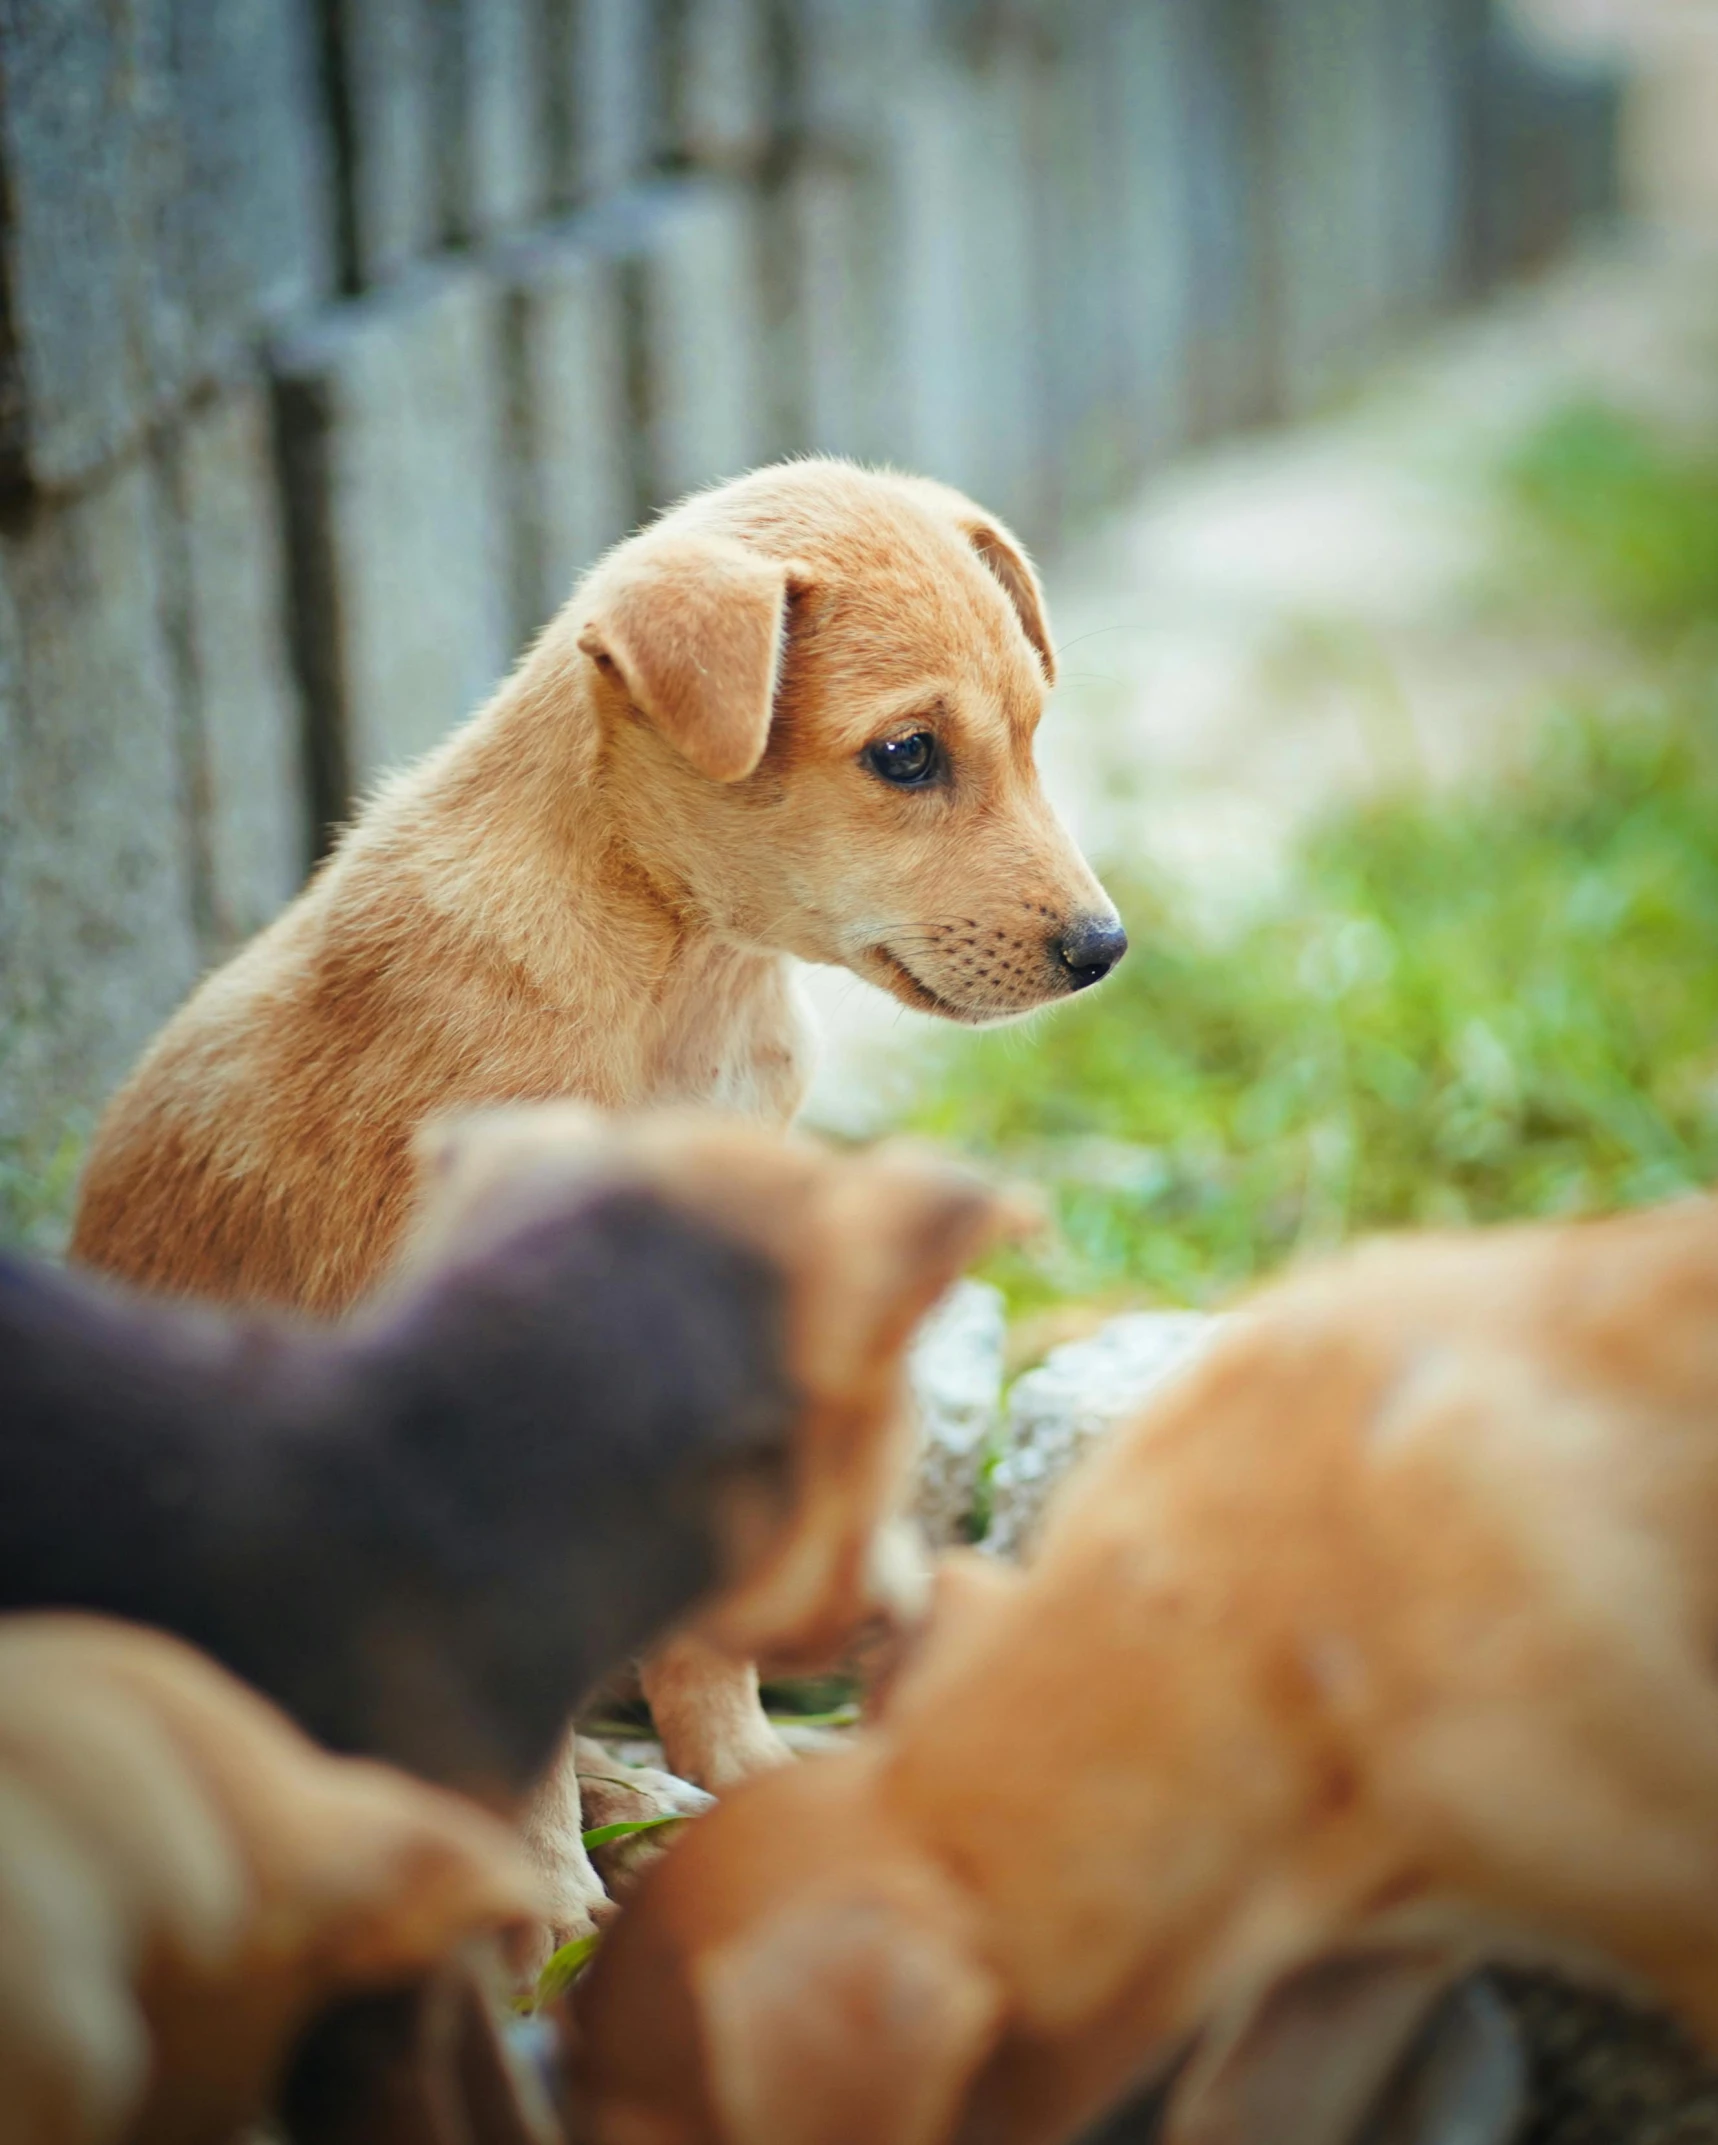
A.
x: 895, y: 1227
x: 843, y: 2022
x: 693, y: 627
x: 506, y: 1137
x: 466, y: 1162
x: 1368, y: 2048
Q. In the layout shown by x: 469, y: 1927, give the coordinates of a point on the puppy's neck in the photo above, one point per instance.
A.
x: 544, y: 832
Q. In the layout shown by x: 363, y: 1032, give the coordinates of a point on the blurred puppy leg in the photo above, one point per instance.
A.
x: 584, y: 1788
x: 709, y: 1715
x: 615, y: 1793
x: 553, y: 1828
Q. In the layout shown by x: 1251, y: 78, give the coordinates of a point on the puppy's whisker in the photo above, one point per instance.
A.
x: 1126, y: 625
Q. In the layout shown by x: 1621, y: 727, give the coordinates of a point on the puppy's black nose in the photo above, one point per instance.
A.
x: 1090, y: 948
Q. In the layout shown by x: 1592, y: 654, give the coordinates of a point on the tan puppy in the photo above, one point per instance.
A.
x: 701, y: 768
x: 185, y: 1879
x: 793, y: 717
x: 1389, y: 1632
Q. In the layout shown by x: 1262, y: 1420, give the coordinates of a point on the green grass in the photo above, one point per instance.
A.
x: 37, y: 1181
x: 1612, y: 512
x: 1459, y: 1008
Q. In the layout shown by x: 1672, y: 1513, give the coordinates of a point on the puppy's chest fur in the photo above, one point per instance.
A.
x: 732, y: 1032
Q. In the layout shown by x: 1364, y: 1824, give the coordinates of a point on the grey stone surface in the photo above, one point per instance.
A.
x: 938, y: 418
x: 253, y: 210
x: 1060, y: 1411
x: 692, y: 248
x: 166, y: 182
x: 495, y: 115
x: 388, y: 84
x: 955, y: 1370
x: 95, y: 886
x: 716, y: 90
x: 1228, y: 189
x: 390, y: 412
x: 248, y: 756
x: 1014, y: 322
x: 850, y: 58
x: 1336, y: 142
x: 1149, y: 273
x: 610, y: 96
x: 96, y: 339
x: 839, y: 223
x: 963, y: 280
x: 836, y: 230
x: 1423, y: 90
x: 571, y: 475
x: 1078, y: 275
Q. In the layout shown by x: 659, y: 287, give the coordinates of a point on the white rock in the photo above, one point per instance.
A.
x: 955, y: 1369
x: 1057, y: 1412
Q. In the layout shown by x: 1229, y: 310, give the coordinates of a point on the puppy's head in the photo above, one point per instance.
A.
x: 862, y: 1246
x: 818, y: 689
x: 791, y: 1974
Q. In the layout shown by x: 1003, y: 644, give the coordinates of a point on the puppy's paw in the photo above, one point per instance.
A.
x: 579, y: 1908
x: 576, y: 1904
x: 739, y: 1752
x: 613, y: 1793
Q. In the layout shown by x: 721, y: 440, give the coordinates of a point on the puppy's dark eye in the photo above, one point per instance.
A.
x: 907, y: 761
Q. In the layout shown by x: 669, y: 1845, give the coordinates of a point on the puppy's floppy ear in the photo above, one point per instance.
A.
x: 692, y: 626
x: 1359, y: 2047
x: 844, y: 2022
x: 1009, y: 563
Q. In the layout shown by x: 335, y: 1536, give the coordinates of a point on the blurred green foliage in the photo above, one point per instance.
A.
x: 1621, y: 516
x: 1491, y: 1004
x: 37, y: 1181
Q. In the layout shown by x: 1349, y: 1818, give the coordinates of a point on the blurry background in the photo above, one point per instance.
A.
x: 338, y: 336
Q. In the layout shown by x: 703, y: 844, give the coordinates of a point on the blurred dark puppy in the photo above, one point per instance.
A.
x: 626, y: 1376
x: 398, y: 1530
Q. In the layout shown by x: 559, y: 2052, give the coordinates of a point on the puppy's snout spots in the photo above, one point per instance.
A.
x: 1089, y: 948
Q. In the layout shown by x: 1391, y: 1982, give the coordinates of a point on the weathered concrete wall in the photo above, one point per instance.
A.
x: 338, y: 336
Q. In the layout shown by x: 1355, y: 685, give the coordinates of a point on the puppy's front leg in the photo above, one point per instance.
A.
x: 709, y: 1715
x: 615, y: 1793
x: 553, y: 1828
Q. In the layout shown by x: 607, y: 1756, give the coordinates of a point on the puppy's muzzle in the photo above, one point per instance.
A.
x: 1089, y: 948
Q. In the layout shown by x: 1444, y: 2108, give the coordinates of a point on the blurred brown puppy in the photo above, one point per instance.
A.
x: 792, y: 717
x: 1385, y: 1639
x: 862, y: 1245
x: 185, y: 1879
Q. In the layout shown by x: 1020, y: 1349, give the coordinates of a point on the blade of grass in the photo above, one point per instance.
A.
x: 836, y: 1717
x: 601, y: 1835
x: 560, y: 1970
